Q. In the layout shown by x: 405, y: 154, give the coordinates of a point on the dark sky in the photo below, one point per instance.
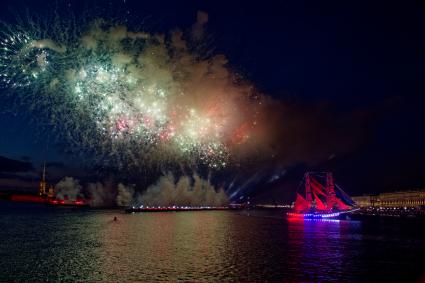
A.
x: 365, y: 57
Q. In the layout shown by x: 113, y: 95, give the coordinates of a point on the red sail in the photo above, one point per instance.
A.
x: 330, y: 191
x: 301, y: 204
x: 317, y: 187
x: 319, y: 204
x: 321, y: 197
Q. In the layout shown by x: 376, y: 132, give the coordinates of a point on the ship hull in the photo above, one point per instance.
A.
x: 321, y: 215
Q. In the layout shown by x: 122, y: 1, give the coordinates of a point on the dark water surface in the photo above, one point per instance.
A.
x: 50, y: 244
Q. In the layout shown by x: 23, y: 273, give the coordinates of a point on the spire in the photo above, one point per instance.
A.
x: 42, y: 190
x: 44, y: 172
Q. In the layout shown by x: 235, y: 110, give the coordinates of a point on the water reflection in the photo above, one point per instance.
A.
x: 163, y: 246
x: 57, y: 245
x: 318, y: 249
x: 40, y: 244
x: 222, y: 246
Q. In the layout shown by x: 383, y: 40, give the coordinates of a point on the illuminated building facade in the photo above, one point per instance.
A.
x: 411, y: 198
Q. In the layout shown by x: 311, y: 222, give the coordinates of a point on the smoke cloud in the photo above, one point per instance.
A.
x: 102, y: 194
x: 125, y: 195
x: 185, y: 191
x: 98, y: 194
x: 68, y: 188
x: 198, y: 27
x: 167, y: 191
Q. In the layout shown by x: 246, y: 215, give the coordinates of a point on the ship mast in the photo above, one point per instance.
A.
x: 314, y: 191
x: 308, y: 188
x: 330, y: 191
x: 44, y: 172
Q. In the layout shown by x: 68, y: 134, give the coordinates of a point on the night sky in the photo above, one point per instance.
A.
x: 359, y: 66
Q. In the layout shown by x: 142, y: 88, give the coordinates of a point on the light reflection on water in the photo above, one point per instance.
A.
x: 318, y: 248
x: 160, y: 246
x: 217, y: 246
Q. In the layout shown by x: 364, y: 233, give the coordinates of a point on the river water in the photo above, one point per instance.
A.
x: 38, y: 243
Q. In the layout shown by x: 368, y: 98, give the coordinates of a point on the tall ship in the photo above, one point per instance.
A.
x: 319, y: 197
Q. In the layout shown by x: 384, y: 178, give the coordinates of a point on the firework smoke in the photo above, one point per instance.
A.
x: 185, y: 191
x: 167, y: 191
x: 102, y: 194
x: 125, y: 195
x: 68, y: 188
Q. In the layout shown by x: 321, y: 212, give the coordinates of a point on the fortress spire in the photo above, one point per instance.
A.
x: 42, y: 189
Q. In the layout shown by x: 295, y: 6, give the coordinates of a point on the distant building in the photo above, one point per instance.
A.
x: 411, y: 198
x: 363, y: 201
x: 51, y: 193
x: 43, y: 189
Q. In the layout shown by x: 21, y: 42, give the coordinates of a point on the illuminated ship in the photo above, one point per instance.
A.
x: 319, y: 198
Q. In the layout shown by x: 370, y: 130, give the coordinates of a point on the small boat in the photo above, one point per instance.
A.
x: 320, y: 198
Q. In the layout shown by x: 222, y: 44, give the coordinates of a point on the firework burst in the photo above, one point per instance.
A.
x: 129, y: 96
